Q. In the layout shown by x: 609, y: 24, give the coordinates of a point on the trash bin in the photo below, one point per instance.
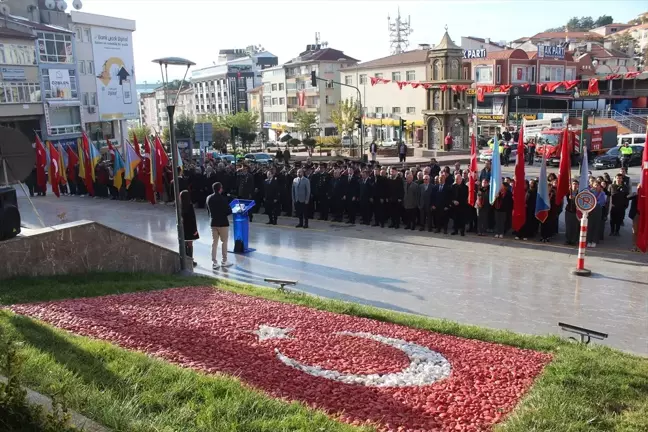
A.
x: 241, y: 219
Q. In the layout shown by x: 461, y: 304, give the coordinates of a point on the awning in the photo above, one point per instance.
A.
x: 63, y: 103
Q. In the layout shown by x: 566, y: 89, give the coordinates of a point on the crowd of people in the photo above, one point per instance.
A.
x: 426, y: 197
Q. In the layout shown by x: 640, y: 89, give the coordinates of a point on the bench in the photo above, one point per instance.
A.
x: 281, y: 282
x: 585, y: 334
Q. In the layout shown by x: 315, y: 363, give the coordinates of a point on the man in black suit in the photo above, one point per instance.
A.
x: 441, y: 204
x: 459, y: 205
x: 352, y: 195
x: 366, y: 197
x: 396, y: 192
x: 380, y: 195
x: 272, y: 194
x: 337, y: 195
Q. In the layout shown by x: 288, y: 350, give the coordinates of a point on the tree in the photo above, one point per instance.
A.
x: 140, y: 132
x: 626, y: 43
x: 184, y: 127
x: 245, y: 121
x: 166, y: 135
x: 220, y: 137
x: 305, y: 122
x: 603, y: 20
x: 344, y: 115
x: 247, y: 138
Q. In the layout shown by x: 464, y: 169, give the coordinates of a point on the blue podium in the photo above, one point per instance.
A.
x: 240, y: 209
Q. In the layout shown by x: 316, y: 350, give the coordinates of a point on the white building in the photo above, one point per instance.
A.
x: 475, y: 44
x: 222, y: 88
x: 385, y: 104
x: 275, y: 108
x: 148, y: 110
x: 287, y: 89
x: 106, y: 73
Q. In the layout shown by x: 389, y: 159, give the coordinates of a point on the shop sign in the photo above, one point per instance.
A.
x: 474, y: 54
x: 13, y: 74
x: 471, y: 92
x: 490, y: 117
x: 60, y: 83
x: 521, y: 116
x: 491, y: 90
x: 585, y: 93
x: 551, y: 51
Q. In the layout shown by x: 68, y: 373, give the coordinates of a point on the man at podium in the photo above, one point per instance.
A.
x: 218, y: 210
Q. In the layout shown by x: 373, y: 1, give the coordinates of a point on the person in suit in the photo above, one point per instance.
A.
x: 218, y: 209
x: 483, y: 207
x: 380, y: 194
x: 189, y: 224
x: 441, y: 204
x: 425, y: 205
x: 245, y: 186
x: 352, y: 195
x: 272, y: 192
x: 395, y: 196
x: 410, y: 201
x: 373, y: 149
x: 337, y: 188
x: 366, y: 197
x: 323, y: 192
x: 459, y: 205
x: 301, y: 192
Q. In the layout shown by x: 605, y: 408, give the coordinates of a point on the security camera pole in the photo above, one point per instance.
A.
x: 358, y: 120
x: 170, y: 104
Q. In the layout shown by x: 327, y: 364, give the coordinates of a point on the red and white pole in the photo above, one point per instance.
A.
x: 582, y: 246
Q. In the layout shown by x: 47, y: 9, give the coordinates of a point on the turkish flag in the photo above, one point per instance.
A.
x: 564, y: 172
x: 570, y: 84
x: 642, y: 203
x: 146, y: 169
x: 41, y: 163
x: 472, y: 172
x: 161, y: 162
x: 539, y: 88
x: 552, y: 87
x: 73, y: 160
x: 301, y: 98
x: 593, y: 87
x: 480, y: 94
x: 54, y: 171
x: 373, y: 80
x: 361, y: 370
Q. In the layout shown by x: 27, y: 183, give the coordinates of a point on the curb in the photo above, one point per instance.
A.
x: 79, y: 421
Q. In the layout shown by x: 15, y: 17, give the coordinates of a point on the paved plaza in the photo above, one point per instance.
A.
x: 505, y: 284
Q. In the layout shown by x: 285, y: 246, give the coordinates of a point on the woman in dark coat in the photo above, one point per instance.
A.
x: 188, y: 223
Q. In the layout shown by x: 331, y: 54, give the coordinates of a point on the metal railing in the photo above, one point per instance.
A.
x: 641, y: 112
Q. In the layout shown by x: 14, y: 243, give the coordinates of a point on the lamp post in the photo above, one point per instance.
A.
x: 170, y: 105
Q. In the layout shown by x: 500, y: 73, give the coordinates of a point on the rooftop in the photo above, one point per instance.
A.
x: 480, y: 40
x: 37, y: 26
x: 256, y: 89
x: 10, y: 33
x: 323, y: 54
x: 599, y: 51
x: 446, y: 43
x: 407, y: 57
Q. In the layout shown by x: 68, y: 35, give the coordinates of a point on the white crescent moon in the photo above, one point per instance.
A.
x: 426, y: 366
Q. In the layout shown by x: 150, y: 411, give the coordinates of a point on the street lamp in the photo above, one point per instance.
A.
x: 170, y: 104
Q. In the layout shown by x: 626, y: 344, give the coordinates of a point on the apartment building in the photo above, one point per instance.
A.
x: 385, y: 104
x: 287, y: 89
x: 223, y: 88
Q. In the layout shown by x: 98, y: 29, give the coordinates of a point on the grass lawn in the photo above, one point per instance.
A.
x: 583, y: 389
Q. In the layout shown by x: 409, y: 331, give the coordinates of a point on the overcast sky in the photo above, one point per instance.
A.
x: 197, y: 29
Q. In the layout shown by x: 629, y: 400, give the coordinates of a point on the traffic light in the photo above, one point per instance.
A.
x: 403, y: 124
x: 358, y: 122
x: 313, y: 79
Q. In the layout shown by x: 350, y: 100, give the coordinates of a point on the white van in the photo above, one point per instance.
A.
x: 631, y: 139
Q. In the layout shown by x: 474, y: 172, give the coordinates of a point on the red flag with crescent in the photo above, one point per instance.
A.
x: 54, y: 171
x: 472, y: 171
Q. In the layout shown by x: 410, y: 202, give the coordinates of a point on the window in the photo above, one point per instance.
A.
x: 292, y: 101
x: 274, y: 87
x: 348, y: 79
x: 64, y: 120
x: 396, y: 110
x: 79, y: 34
x: 532, y: 74
x: 379, y: 109
x: 19, y: 93
x: 465, y: 73
x: 281, y: 86
x: 266, y: 87
x: 91, y: 70
x: 88, y: 35
x: 70, y: 93
x: 499, y: 74
x: 518, y: 73
x: 362, y: 79
x: 86, y: 99
x: 329, y: 84
x: 55, y: 48
x: 266, y: 101
x: 17, y: 54
x: 484, y: 74
x: 274, y: 101
x: 82, y: 69
x: 395, y: 76
x: 570, y: 74
x: 410, y: 75
x: 378, y: 75
x: 93, y: 99
x: 552, y: 73
x: 326, y: 99
x: 282, y: 101
x: 411, y: 110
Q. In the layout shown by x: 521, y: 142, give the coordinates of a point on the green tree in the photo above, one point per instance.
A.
x: 166, y: 135
x: 306, y: 122
x: 603, y: 20
x: 626, y: 43
x: 184, y: 127
x: 220, y: 138
x: 140, y: 132
x: 245, y: 121
x: 344, y: 114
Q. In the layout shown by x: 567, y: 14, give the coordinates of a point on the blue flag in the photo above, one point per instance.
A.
x: 542, y: 198
x: 496, y: 172
x: 584, y: 172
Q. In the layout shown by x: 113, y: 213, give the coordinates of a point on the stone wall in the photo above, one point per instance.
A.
x: 82, y: 247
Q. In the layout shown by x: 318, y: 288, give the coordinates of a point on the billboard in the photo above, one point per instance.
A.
x: 60, y: 83
x: 113, y: 57
x: 550, y: 51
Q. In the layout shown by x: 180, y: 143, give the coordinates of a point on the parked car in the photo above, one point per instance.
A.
x: 260, y: 158
x: 487, y: 153
x: 612, y: 158
x: 225, y: 158
x: 389, y: 142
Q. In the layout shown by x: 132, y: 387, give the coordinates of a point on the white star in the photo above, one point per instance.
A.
x: 268, y: 332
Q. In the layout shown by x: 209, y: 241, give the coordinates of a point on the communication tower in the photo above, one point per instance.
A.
x: 399, y: 31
